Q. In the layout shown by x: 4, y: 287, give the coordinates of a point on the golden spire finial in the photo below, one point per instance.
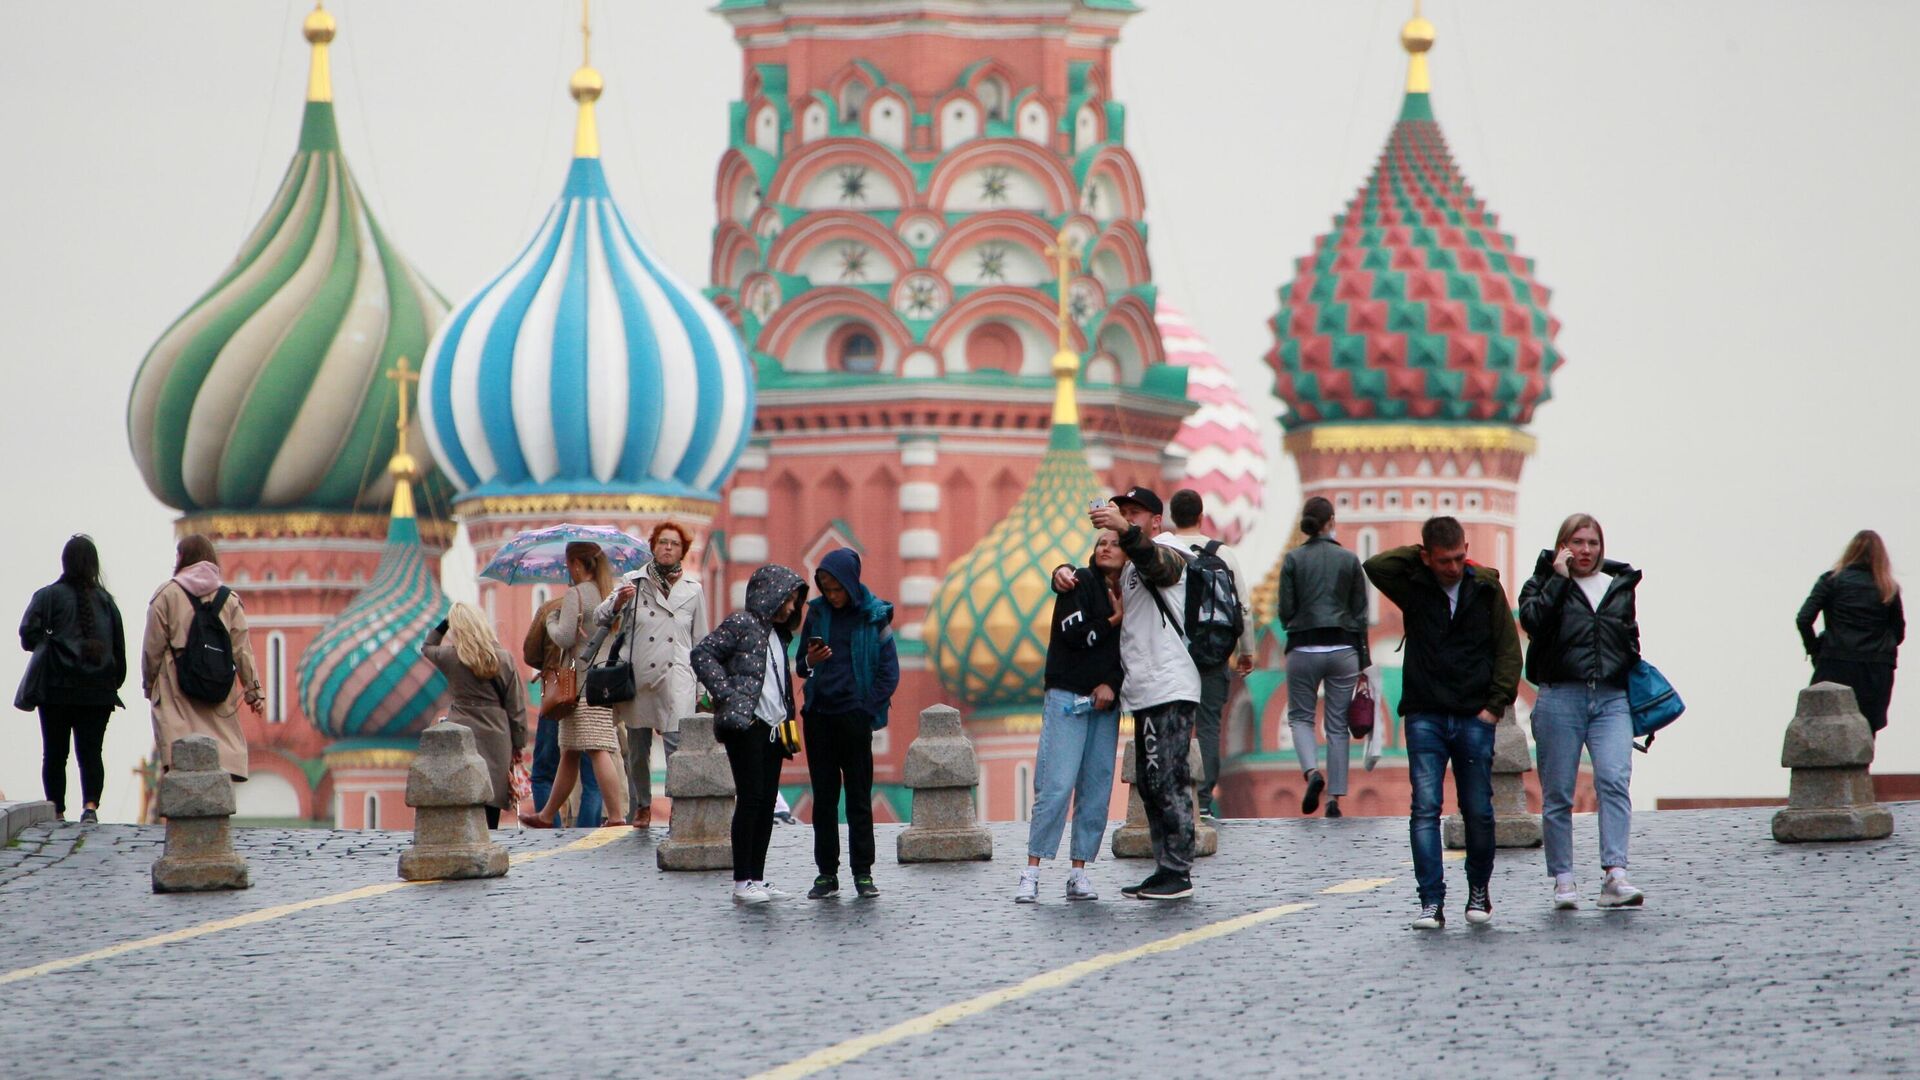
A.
x: 1417, y: 37
x: 319, y: 31
x: 585, y: 87
x: 1066, y: 362
x: 402, y: 466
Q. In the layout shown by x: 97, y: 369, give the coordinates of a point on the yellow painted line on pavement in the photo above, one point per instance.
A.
x: 597, y: 838
x: 927, y: 1023
x: 1445, y: 856
x: 1357, y: 885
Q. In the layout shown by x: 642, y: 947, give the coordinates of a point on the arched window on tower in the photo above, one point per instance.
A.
x: 853, y: 98
x: 993, y: 99
x: 1367, y: 545
x: 994, y: 347
x: 373, y: 811
x: 1023, y: 792
x: 856, y: 350
x: 276, y: 678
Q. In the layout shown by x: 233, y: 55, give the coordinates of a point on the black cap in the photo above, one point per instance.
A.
x: 1143, y: 496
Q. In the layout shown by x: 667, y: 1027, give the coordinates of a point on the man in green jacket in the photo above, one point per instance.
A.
x: 1460, y: 676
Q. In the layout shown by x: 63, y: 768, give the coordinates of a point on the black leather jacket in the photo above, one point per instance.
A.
x: 1572, y: 642
x: 1858, y: 626
x: 1323, y: 596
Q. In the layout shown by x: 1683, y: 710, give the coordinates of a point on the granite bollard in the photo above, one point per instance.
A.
x: 1133, y: 840
x: 448, y: 788
x: 1828, y: 748
x: 196, y: 798
x: 1514, y: 825
x: 942, y: 771
x: 700, y: 783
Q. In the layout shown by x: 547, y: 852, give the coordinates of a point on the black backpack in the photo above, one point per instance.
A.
x: 1214, y: 621
x: 205, y: 667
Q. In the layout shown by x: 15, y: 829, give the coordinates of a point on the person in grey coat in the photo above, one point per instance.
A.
x: 1323, y: 605
x: 486, y: 696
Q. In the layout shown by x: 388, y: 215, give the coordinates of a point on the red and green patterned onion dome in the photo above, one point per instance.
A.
x: 269, y: 392
x: 1416, y: 306
x: 988, y: 625
x: 363, y: 677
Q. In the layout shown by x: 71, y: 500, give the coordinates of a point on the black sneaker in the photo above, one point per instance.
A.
x: 89, y: 817
x: 1432, y: 917
x: 863, y: 884
x: 1333, y: 807
x: 823, y: 887
x: 1479, y: 906
x: 1171, y: 887
x: 1315, y: 785
x: 1132, y: 892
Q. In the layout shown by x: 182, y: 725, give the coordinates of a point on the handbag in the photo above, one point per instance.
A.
x: 1360, y: 709
x: 559, y: 690
x: 787, y: 737
x: 610, y: 682
x: 33, y: 682
x: 1653, y: 701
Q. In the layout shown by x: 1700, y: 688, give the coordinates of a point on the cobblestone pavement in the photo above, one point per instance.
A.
x: 1751, y: 959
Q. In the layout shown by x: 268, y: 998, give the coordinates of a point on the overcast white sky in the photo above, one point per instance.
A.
x: 1717, y: 192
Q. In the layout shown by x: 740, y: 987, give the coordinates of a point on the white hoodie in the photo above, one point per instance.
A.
x: 1152, y: 649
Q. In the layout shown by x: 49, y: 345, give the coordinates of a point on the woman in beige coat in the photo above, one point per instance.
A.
x: 584, y: 729
x: 486, y: 696
x: 667, y: 611
x: 196, y: 576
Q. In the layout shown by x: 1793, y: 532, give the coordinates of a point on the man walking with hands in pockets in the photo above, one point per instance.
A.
x: 1461, y: 672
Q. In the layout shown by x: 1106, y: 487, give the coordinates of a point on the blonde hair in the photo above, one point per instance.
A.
x: 599, y: 567
x: 474, y: 641
x: 1867, y: 551
x: 1576, y: 522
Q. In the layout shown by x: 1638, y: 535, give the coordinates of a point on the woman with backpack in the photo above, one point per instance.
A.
x: 584, y: 729
x: 486, y: 695
x: 1323, y: 605
x: 196, y: 660
x: 1865, y: 622
x: 1583, y: 642
x: 73, y: 626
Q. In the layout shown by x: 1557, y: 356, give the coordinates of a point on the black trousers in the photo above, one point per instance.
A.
x: 756, y: 781
x: 493, y: 817
x: 1872, y: 686
x: 840, y: 757
x: 85, y: 727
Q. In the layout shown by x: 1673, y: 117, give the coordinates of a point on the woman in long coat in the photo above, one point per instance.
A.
x: 585, y: 730
x: 196, y: 576
x: 486, y: 694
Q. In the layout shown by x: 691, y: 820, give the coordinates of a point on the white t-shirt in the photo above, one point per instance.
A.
x: 1595, y: 586
x: 772, y: 709
x: 1453, y: 595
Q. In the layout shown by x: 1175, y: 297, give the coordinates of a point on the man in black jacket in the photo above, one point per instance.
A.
x: 1461, y: 673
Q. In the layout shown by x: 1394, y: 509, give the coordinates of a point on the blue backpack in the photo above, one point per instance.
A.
x: 1654, y: 702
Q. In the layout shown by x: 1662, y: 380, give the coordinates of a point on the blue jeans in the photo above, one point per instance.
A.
x: 546, y: 761
x: 1433, y: 740
x: 1077, y: 747
x: 1566, y: 717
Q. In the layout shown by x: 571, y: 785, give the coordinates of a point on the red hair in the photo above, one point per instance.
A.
x: 686, y: 542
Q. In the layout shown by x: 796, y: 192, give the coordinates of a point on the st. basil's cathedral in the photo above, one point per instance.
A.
x: 930, y: 332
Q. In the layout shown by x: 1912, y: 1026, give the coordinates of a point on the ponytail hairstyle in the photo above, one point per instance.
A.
x: 1868, y: 552
x: 594, y: 561
x: 1315, y: 515
x: 80, y: 571
x: 194, y: 548
x: 474, y: 641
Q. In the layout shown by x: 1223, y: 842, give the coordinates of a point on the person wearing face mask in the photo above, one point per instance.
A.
x: 1583, y: 640
x: 1460, y: 676
x: 1323, y: 605
x: 665, y: 610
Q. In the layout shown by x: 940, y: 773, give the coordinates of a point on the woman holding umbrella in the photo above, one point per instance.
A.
x: 584, y: 729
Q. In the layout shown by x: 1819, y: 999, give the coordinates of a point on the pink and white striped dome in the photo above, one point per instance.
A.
x: 1226, y: 462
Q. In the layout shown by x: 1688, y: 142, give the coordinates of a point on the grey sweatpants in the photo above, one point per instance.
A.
x: 1160, y: 737
x: 1306, y: 671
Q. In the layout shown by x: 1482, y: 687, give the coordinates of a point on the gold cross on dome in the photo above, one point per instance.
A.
x: 402, y: 375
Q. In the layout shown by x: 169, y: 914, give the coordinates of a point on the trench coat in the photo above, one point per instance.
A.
x: 495, y: 710
x: 175, y: 715
x: 660, y: 646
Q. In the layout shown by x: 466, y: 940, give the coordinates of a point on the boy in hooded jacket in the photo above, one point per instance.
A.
x: 851, y: 670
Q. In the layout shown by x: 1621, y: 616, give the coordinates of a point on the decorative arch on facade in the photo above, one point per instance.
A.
x: 1023, y: 311
x: 271, y: 799
x: 799, y: 333
x: 1043, y: 169
x: 1089, y: 125
x: 959, y: 118
x: 888, y: 117
x: 1119, y: 258
x: 736, y: 255
x: 799, y: 172
x: 1129, y: 333
x: 816, y: 118
x: 1023, y: 231
x: 802, y: 240
x: 851, y: 87
x: 1114, y: 188
x: 764, y: 125
x: 737, y: 195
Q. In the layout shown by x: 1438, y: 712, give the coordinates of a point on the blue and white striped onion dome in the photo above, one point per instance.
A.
x: 587, y: 367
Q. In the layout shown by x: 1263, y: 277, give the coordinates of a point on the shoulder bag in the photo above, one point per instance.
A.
x: 610, y: 682
x: 1653, y: 701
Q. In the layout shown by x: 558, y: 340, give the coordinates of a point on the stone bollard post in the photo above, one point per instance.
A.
x: 448, y: 788
x: 196, y: 798
x: 1830, y: 795
x: 1132, y: 840
x: 1514, y: 825
x: 942, y: 771
x: 700, y: 783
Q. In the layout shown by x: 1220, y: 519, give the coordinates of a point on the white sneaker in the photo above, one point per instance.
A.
x: 1566, y: 893
x: 774, y: 892
x: 1617, y: 891
x: 1029, y: 890
x: 1078, y: 887
x: 750, y: 892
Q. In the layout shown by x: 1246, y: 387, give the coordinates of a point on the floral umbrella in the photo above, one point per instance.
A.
x: 540, y: 555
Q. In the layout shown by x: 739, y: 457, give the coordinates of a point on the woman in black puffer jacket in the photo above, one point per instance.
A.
x: 1578, y: 611
x: 83, y: 658
x: 1865, y: 624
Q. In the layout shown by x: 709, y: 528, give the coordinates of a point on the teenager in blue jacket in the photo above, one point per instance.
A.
x: 851, y: 670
